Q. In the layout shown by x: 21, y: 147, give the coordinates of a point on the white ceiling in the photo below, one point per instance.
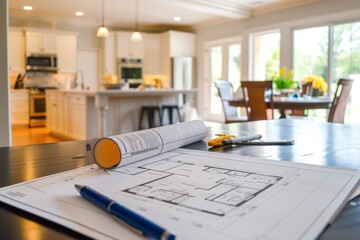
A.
x: 121, y: 13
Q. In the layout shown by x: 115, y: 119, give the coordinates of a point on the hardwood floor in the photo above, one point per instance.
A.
x: 36, y: 135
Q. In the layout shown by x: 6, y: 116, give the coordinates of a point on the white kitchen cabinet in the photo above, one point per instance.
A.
x: 109, y: 54
x: 63, y: 44
x: 125, y: 48
x: 55, y: 117
x: 17, y: 50
x: 152, y: 54
x: 82, y: 116
x: 175, y: 44
x: 77, y: 116
x: 66, y: 49
x: 66, y: 114
x: 160, y: 48
x: 19, y: 107
x: 40, y: 42
x: 178, y: 44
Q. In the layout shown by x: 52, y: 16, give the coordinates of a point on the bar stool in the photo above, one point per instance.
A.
x: 170, y: 109
x: 150, y: 112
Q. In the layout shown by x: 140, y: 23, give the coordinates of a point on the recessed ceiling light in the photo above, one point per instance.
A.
x: 78, y: 13
x: 28, y: 8
x: 177, y: 19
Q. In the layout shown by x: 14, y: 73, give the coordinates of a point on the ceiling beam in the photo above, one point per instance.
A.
x: 219, y: 8
x: 271, y: 7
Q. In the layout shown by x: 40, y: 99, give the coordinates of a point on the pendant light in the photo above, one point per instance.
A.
x: 136, y: 35
x: 102, y: 31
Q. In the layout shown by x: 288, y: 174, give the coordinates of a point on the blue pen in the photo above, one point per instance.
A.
x: 131, y: 219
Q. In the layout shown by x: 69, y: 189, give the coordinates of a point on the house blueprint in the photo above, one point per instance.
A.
x: 197, y: 195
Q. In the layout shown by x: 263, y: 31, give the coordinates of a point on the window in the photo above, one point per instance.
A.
x: 265, y: 55
x: 223, y: 62
x: 311, y: 52
x: 234, y: 68
x: 216, y: 74
x: 346, y: 64
x: 346, y: 50
x: 332, y: 52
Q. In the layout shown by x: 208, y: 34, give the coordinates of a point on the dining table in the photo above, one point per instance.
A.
x: 316, y: 143
x: 283, y: 103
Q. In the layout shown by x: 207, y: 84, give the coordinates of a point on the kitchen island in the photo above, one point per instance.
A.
x: 82, y: 114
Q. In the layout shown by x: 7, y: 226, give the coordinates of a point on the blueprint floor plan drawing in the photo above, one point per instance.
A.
x: 208, y: 189
x: 197, y: 194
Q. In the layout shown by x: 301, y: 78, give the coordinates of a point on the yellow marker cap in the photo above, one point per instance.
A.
x: 107, y: 153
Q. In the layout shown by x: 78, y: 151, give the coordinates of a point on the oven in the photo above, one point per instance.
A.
x: 37, y: 108
x: 131, y: 71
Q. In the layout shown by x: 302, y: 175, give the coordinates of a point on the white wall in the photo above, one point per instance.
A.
x: 86, y: 35
x: 321, y: 12
x: 87, y: 64
x: 5, y: 133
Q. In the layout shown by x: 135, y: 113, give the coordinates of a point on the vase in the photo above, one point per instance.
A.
x: 317, y: 93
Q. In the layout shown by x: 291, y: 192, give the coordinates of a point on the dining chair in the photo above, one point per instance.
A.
x: 226, y: 93
x: 340, y: 100
x: 257, y: 103
x: 306, y: 89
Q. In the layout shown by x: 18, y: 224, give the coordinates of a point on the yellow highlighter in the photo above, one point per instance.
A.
x: 223, y: 139
x: 218, y: 141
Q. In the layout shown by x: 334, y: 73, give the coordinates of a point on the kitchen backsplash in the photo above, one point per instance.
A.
x: 48, y: 80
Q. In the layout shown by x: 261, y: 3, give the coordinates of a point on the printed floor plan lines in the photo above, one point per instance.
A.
x: 208, y: 189
x: 198, y: 195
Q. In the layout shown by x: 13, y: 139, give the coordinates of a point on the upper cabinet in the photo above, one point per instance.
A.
x: 175, y: 44
x: 178, y: 44
x: 66, y: 50
x: 125, y: 48
x: 40, y: 42
x: 43, y: 41
x: 17, y: 50
x: 152, y: 54
x: 155, y: 49
x: 160, y: 48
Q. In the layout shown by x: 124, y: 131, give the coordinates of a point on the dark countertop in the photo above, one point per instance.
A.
x: 315, y: 143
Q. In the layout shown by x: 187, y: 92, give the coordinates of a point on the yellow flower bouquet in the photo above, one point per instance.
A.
x: 283, y: 80
x: 319, y: 83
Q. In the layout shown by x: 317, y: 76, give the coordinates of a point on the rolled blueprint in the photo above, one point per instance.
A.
x: 123, y: 149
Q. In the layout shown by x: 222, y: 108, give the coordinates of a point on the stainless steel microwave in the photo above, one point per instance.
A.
x: 41, y: 62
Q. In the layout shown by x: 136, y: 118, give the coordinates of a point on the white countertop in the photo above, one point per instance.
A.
x: 135, y: 92
x: 84, y: 92
x: 19, y: 90
x: 119, y: 92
